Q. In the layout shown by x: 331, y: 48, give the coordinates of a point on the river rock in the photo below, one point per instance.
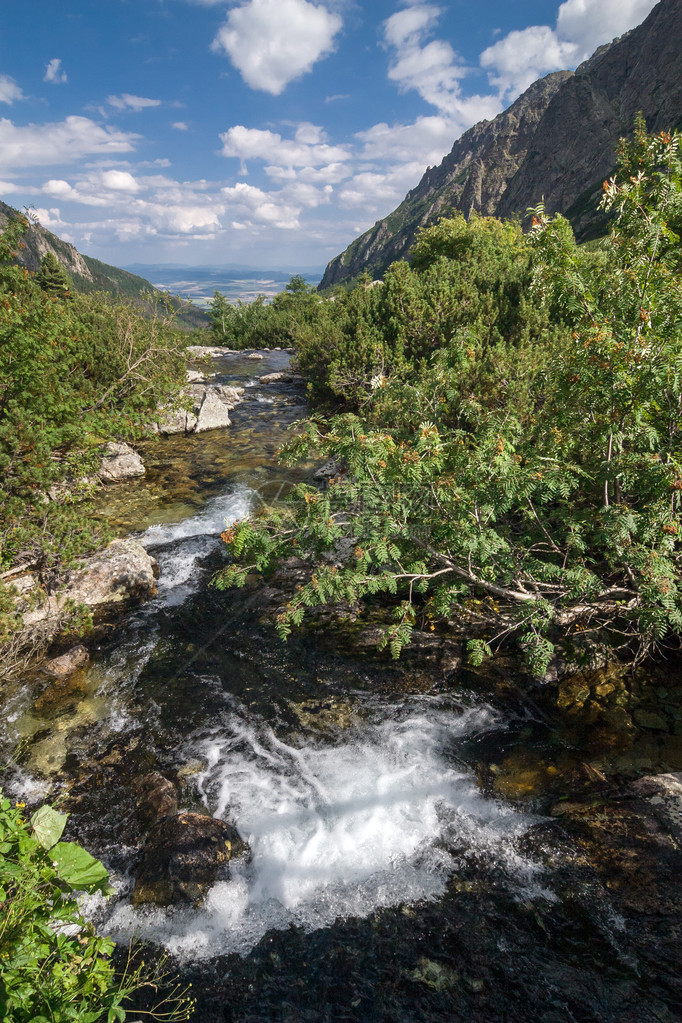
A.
x: 231, y: 396
x: 120, y: 462
x: 213, y: 413
x: 208, y: 351
x: 276, y: 378
x: 122, y: 570
x: 158, y: 796
x: 69, y: 662
x: 177, y: 422
x: 183, y: 856
x: 254, y: 356
x: 194, y: 376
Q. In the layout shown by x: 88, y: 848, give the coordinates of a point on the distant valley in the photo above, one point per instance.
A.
x: 197, y: 283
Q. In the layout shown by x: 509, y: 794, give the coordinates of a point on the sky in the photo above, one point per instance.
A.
x: 268, y: 133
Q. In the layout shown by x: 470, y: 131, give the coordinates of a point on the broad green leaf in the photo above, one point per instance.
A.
x: 48, y: 825
x: 77, y: 867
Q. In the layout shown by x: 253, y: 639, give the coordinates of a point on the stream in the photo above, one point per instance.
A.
x: 427, y: 842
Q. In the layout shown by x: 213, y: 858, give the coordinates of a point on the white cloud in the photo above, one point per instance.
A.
x: 582, y: 25
x: 9, y: 90
x: 54, y: 72
x: 39, y: 145
x: 259, y: 207
x: 306, y: 149
x: 180, y: 126
x: 428, y: 139
x: 119, y: 181
x: 273, y: 42
x: 431, y: 68
x: 589, y: 23
x: 57, y: 187
x: 51, y: 219
x: 520, y: 58
x: 127, y: 102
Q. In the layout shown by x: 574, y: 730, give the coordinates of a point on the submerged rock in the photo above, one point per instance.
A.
x: 183, y: 856
x: 254, y: 356
x: 158, y: 796
x: 120, y: 462
x: 69, y: 662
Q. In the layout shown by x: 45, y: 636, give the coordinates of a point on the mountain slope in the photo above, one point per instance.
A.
x: 556, y: 141
x: 88, y: 274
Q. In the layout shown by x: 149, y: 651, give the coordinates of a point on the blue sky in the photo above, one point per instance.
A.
x: 263, y: 132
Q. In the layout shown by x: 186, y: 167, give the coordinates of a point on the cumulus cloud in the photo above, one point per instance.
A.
x: 582, y: 25
x: 431, y: 68
x: 39, y: 145
x: 308, y: 148
x: 138, y: 207
x: 9, y: 90
x: 180, y: 126
x: 127, y: 102
x: 273, y: 42
x: 54, y: 72
x: 589, y: 23
x: 259, y: 207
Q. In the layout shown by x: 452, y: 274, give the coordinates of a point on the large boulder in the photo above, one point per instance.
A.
x: 120, y: 462
x: 210, y: 406
x: 183, y: 856
x: 122, y: 570
x: 208, y: 351
x: 213, y: 413
x: 177, y: 422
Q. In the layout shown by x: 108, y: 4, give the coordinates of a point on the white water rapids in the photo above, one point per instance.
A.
x: 380, y: 818
x: 381, y: 813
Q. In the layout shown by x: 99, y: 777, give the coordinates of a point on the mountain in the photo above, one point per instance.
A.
x: 88, y: 274
x: 557, y: 142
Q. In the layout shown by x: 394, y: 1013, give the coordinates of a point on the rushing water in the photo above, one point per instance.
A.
x: 391, y: 877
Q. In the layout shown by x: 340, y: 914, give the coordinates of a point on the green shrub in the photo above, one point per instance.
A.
x: 54, y: 968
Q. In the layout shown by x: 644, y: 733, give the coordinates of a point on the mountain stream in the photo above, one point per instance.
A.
x: 413, y: 854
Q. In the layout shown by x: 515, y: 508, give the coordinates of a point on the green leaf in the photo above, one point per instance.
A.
x: 77, y: 867
x: 48, y: 825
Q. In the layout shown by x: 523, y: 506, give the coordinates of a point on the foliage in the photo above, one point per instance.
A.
x: 510, y: 455
x: 263, y: 324
x: 54, y: 968
x: 466, y: 290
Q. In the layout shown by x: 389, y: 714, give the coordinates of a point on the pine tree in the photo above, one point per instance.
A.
x: 52, y: 277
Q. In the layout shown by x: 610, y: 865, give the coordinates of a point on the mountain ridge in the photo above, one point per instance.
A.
x: 89, y: 274
x: 557, y: 141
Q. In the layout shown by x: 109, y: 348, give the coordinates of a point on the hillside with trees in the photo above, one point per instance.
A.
x: 77, y: 371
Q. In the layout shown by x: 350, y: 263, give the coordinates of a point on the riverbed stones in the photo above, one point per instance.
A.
x: 254, y: 356
x: 119, y: 462
x: 184, y: 855
x: 208, y: 351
